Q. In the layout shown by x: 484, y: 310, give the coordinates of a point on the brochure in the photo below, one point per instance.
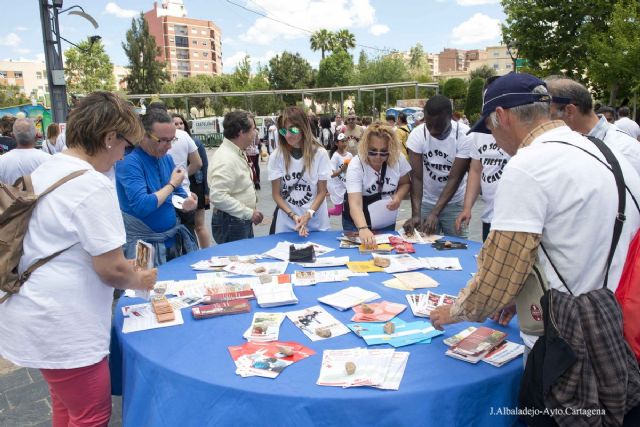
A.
x: 504, y: 353
x: 140, y: 317
x: 264, y: 327
x: 358, y: 367
x: 422, y: 304
x: 400, y: 263
x: 363, y: 267
x: 377, y: 312
x: 308, y: 278
x: 418, y: 237
x: 400, y: 246
x: 441, y: 263
x: 317, y: 323
x: 415, y: 280
x: 330, y: 261
x: 348, y: 297
x: 220, y: 309
x: 274, y: 294
x: 267, y: 359
x: 405, y: 333
x: 248, y: 269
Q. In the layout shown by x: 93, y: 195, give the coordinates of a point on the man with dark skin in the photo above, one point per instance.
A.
x: 439, y: 154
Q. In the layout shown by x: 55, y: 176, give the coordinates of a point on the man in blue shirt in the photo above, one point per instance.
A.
x: 146, y: 181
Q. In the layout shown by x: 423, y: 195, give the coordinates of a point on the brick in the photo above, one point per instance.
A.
x: 28, y: 393
x: 28, y: 414
x: 14, y: 379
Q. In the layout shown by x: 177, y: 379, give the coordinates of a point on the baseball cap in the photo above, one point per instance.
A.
x: 418, y: 116
x: 340, y: 137
x: 508, y: 91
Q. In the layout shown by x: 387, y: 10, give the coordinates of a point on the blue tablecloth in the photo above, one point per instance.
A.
x: 184, y: 375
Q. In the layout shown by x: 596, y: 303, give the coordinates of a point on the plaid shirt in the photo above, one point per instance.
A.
x: 504, y: 263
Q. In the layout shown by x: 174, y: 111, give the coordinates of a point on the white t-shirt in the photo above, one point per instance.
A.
x: 364, y: 179
x: 629, y: 126
x: 180, y: 151
x: 336, y: 185
x: 304, y: 188
x: 19, y: 162
x: 571, y: 199
x: 438, y: 157
x: 273, y: 136
x: 493, y: 160
x: 48, y: 147
x: 61, y: 318
x: 625, y: 144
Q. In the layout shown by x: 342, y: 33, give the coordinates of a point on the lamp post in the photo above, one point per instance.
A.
x: 514, y: 59
x: 49, y: 11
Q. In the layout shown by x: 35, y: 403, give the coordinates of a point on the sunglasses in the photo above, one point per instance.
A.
x: 292, y: 130
x: 162, y: 140
x: 378, y: 153
x: 129, y: 143
x: 351, y: 120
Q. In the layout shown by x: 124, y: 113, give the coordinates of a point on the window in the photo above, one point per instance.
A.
x: 38, y: 75
x: 508, y: 66
x: 205, y: 54
x: 496, y: 66
x: 203, y: 32
x: 182, y: 41
x: 496, y: 53
x: 181, y: 30
x: 17, y: 74
x: 196, y: 65
x: 195, y: 54
x: 194, y: 42
x: 194, y: 31
x: 204, y: 43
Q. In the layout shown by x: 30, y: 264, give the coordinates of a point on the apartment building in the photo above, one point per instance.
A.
x: 496, y: 57
x: 188, y: 46
x: 452, y: 60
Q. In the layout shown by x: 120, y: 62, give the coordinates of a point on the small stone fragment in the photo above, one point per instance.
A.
x: 381, y: 262
x: 389, y: 328
x: 264, y: 278
x: 366, y: 309
x: 350, y: 367
x: 286, y: 351
x: 260, y: 270
x: 323, y: 332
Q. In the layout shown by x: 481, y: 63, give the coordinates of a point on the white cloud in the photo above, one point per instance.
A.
x: 113, y: 9
x: 20, y: 28
x: 478, y: 28
x: 11, y: 39
x: 309, y: 15
x: 378, y: 29
x: 22, y: 51
x: 230, y: 62
x: 475, y: 2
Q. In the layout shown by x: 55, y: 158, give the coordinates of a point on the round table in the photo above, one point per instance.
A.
x: 184, y: 375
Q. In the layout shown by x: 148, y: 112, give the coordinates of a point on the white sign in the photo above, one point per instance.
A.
x: 206, y: 126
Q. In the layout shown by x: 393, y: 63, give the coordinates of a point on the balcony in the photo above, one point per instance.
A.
x: 182, y: 41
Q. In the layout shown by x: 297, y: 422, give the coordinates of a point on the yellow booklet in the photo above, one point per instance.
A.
x: 363, y: 267
x: 382, y: 247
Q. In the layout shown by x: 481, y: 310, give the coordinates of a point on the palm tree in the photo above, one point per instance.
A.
x: 322, y: 40
x: 345, y: 39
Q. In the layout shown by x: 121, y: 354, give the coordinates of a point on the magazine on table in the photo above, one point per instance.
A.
x: 377, y: 311
x: 249, y: 269
x: 281, y: 250
x: 361, y: 367
x: 264, y: 327
x: 418, y: 237
x: 475, y: 346
x: 316, y: 323
x: 267, y: 359
x: 235, y: 306
x: 416, y: 280
x: 455, y: 339
x: 404, y: 333
x: 217, y: 262
x: 348, y: 297
x: 312, y: 277
x: 275, y: 294
x: 441, y: 263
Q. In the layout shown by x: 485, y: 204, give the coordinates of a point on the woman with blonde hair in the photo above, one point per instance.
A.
x: 298, y: 170
x: 377, y: 181
x: 60, y: 320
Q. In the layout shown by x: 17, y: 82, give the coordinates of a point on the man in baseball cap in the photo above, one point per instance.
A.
x: 554, y: 191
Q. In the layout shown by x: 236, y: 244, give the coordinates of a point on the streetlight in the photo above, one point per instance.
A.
x: 49, y: 11
x: 514, y: 59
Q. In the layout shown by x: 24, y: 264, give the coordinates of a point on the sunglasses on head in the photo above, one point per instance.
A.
x: 378, y: 153
x: 292, y: 130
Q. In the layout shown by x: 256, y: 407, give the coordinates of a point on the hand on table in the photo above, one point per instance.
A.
x: 367, y: 238
x: 411, y: 225
x: 429, y: 224
x: 462, y: 221
x: 441, y: 316
x: 503, y: 316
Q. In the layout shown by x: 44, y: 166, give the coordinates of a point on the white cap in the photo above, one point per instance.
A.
x: 340, y: 136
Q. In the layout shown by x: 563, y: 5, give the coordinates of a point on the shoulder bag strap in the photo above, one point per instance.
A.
x: 61, y: 181
x: 383, y: 173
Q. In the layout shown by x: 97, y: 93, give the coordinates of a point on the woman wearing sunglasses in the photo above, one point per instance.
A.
x: 298, y: 170
x: 377, y: 181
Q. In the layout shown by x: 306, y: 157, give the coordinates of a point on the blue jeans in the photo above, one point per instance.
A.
x: 226, y: 228
x: 446, y: 219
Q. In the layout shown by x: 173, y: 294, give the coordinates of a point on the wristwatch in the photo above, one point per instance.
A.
x: 311, y: 212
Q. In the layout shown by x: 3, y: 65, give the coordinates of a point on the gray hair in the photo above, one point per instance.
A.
x: 528, y: 113
x: 236, y: 121
x: 155, y: 115
x: 577, y: 94
x: 24, y: 132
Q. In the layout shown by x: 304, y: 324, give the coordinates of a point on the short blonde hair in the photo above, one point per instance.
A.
x: 382, y: 131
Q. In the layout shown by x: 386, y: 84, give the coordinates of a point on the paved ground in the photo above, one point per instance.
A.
x: 24, y: 396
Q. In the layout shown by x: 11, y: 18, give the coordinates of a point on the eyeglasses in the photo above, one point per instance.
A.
x: 351, y: 120
x: 378, y: 153
x: 162, y: 140
x: 292, y: 130
x: 129, y: 143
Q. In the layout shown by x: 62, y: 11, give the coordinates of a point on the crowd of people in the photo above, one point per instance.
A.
x: 550, y: 207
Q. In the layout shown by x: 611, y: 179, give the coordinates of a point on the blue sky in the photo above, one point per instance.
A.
x: 382, y: 24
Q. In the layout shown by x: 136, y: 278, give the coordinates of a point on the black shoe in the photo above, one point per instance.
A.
x: 257, y: 186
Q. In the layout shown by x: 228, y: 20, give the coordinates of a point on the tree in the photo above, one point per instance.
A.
x: 146, y: 74
x: 335, y: 70
x: 11, y: 95
x: 555, y: 35
x: 456, y: 89
x: 383, y: 69
x: 483, y: 72
x: 418, y: 64
x: 289, y: 71
x: 322, y: 40
x: 615, y: 58
x: 87, y: 68
x: 473, y: 106
x: 344, y: 39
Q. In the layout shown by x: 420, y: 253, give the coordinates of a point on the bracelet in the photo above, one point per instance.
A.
x: 363, y: 228
x: 291, y: 214
x: 172, y: 186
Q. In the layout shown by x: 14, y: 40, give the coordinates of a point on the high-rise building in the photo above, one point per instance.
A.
x: 188, y: 46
